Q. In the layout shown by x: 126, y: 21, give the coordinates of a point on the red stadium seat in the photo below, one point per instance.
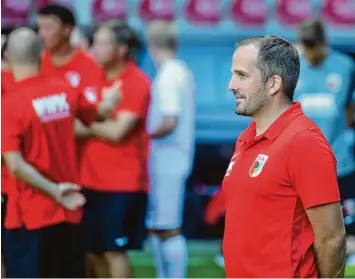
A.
x: 249, y: 12
x: 293, y: 12
x: 15, y: 12
x: 41, y: 3
x: 108, y: 9
x: 156, y: 9
x: 203, y: 11
x: 339, y: 12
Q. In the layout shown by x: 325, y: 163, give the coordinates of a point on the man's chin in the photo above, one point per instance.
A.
x: 239, y: 111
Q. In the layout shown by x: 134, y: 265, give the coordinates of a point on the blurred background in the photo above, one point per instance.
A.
x: 208, y: 31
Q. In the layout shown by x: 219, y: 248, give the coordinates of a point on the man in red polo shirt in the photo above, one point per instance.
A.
x: 283, y: 216
x: 114, y: 166
x: 38, y: 147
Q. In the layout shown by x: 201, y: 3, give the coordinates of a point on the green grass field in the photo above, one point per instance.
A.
x: 201, y: 262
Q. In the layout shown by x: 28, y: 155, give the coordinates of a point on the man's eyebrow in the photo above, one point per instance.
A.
x: 240, y: 72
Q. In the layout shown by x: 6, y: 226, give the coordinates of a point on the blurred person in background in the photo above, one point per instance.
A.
x: 43, y: 236
x: 280, y: 189
x: 114, y: 166
x: 78, y: 40
x: 7, y: 82
x: 171, y: 128
x: 326, y: 92
x: 61, y: 59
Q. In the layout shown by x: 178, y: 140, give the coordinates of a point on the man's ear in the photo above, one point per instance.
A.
x: 274, y: 84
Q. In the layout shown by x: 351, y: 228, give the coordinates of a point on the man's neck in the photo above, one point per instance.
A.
x: 267, y: 115
x: 23, y: 72
x: 165, y: 56
x: 62, y: 55
x: 114, y: 70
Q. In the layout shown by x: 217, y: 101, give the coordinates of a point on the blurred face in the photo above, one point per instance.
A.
x: 104, y: 49
x: 52, y: 32
x: 251, y: 95
x: 313, y: 54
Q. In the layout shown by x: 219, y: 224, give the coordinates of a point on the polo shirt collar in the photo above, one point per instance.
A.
x: 275, y: 128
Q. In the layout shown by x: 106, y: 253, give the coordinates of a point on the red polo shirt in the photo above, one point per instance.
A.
x: 122, y: 166
x: 37, y: 121
x: 271, y: 180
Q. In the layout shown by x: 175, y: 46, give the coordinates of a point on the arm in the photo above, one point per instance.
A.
x: 81, y: 130
x: 28, y: 174
x: 330, y: 239
x: 133, y: 109
x: 89, y: 111
x: 167, y: 126
x: 115, y: 130
x: 312, y: 169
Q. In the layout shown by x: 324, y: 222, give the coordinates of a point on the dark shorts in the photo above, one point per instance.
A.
x: 53, y: 252
x: 114, y: 221
x: 3, y: 215
x: 347, y: 186
x: 347, y: 192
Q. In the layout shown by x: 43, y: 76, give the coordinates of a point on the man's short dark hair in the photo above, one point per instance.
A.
x: 64, y: 14
x: 279, y: 57
x: 124, y: 35
x: 312, y: 32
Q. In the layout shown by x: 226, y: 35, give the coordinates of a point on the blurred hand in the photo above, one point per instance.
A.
x: 67, y: 195
x: 112, y: 95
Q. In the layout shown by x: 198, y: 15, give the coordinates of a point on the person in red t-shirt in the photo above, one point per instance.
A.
x: 38, y: 147
x: 7, y: 81
x: 61, y: 59
x: 283, y: 216
x: 114, y: 166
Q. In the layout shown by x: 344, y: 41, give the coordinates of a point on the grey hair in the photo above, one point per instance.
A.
x: 277, y: 56
x: 163, y: 34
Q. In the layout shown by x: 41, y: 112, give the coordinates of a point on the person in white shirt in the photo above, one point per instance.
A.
x: 171, y: 126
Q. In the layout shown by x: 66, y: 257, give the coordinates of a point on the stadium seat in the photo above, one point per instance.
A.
x: 15, y: 12
x: 108, y: 9
x: 205, y: 12
x: 156, y: 9
x: 293, y: 12
x: 339, y: 12
x: 249, y: 12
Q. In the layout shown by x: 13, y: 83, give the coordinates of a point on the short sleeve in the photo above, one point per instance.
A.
x: 136, y: 99
x: 169, y: 90
x: 87, y: 105
x: 312, y: 169
x: 12, y: 128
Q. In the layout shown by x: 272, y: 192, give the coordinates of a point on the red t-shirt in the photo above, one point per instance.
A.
x: 37, y: 121
x: 122, y: 166
x: 271, y: 181
x: 7, y: 82
x: 82, y: 73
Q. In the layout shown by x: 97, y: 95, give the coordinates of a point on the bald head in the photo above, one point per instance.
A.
x: 163, y: 34
x: 24, y: 47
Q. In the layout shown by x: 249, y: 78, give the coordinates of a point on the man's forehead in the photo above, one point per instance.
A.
x: 245, y: 55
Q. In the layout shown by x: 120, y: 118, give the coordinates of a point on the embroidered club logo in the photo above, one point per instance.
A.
x: 334, y: 82
x: 258, y: 165
x: 73, y: 78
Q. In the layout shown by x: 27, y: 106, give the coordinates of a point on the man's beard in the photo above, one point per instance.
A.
x: 252, y: 104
